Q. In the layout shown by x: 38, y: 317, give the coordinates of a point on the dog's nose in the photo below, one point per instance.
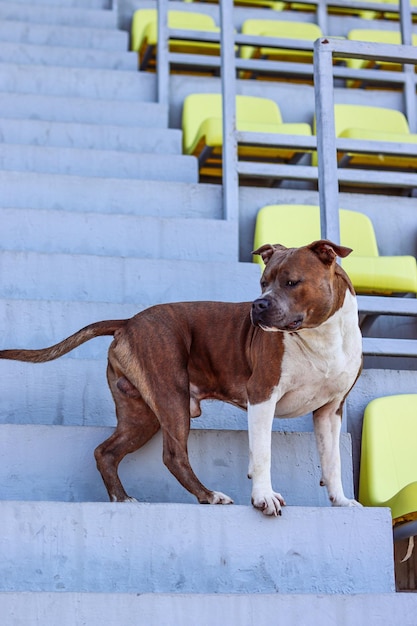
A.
x: 260, y: 305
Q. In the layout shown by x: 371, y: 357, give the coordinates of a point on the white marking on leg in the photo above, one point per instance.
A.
x: 128, y: 499
x: 260, y: 418
x: 220, y: 498
x: 327, y: 426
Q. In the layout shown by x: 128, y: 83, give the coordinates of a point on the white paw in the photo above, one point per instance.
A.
x: 269, y: 504
x: 218, y: 497
x: 127, y: 499
x: 345, y: 502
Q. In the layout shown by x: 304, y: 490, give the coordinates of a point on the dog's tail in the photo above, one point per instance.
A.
x: 97, y: 329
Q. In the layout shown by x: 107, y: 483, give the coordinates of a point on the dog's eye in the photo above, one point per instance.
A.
x: 292, y: 283
x: 264, y: 284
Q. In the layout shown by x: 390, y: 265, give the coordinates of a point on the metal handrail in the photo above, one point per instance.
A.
x: 324, y: 72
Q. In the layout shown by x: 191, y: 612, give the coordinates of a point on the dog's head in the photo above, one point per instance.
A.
x: 300, y: 286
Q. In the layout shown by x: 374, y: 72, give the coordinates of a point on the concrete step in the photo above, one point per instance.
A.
x: 91, y: 136
x: 74, y: 392
x: 79, y: 4
x: 51, y: 608
x: 78, y: 82
x: 60, y: 15
x: 41, y: 276
x: 110, y: 195
x: 59, y: 56
x: 82, y: 110
x: 67, y: 36
x: 56, y: 463
x: 180, y: 548
x: 117, y: 235
x: 99, y: 163
x: 38, y: 323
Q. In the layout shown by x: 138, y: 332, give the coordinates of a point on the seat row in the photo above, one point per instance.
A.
x: 295, y: 225
x: 202, y: 134
x: 345, y: 9
x: 144, y: 40
x: 388, y: 470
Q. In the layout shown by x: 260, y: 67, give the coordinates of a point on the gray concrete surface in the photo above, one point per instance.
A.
x: 139, y: 548
x: 57, y: 463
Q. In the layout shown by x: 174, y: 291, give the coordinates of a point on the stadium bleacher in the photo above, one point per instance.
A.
x: 105, y: 213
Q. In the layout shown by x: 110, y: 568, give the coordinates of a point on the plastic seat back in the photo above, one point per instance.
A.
x: 295, y: 225
x: 388, y: 471
x: 278, y: 28
x: 369, y: 118
x: 201, y: 106
x: 269, y: 4
x: 392, y: 37
x: 188, y: 20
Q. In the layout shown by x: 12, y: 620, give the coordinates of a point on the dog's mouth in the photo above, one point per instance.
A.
x: 290, y: 327
x: 295, y: 324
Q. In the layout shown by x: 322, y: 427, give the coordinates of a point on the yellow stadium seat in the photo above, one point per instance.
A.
x: 365, y: 14
x: 278, y: 28
x: 354, y: 121
x: 388, y: 469
x: 267, y: 4
x: 395, y: 16
x: 295, y: 225
x: 144, y: 34
x: 203, y: 133
x: 375, y: 36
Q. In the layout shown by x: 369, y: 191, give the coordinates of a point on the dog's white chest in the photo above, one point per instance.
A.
x: 320, y: 365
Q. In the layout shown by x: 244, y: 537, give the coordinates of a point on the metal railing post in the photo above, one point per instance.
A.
x: 409, y: 85
x: 405, y: 22
x: 228, y: 82
x: 321, y: 13
x: 162, y: 54
x: 326, y: 141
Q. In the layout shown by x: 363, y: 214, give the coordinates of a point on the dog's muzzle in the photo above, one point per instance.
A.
x: 267, y: 316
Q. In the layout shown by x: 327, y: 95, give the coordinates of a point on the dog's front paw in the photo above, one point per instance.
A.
x: 217, y: 497
x: 269, y: 504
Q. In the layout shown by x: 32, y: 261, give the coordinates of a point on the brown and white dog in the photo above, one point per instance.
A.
x: 295, y: 349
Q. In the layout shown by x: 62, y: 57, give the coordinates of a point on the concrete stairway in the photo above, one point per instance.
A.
x: 101, y: 216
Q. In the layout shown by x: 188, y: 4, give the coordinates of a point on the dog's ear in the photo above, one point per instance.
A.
x: 327, y: 251
x: 266, y: 251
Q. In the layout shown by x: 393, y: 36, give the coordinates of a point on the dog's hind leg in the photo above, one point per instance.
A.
x: 172, y: 406
x: 175, y: 457
x: 136, y: 424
